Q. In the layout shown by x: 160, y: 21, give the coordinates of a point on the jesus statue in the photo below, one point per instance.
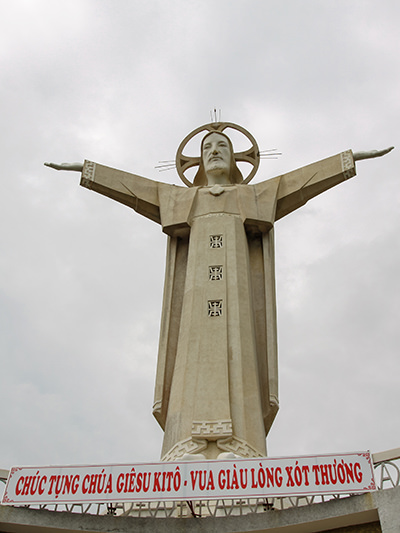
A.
x: 216, y: 391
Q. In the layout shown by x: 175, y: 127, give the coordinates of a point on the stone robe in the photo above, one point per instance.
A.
x: 217, y: 373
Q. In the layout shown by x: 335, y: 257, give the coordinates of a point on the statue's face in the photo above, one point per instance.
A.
x: 217, y: 155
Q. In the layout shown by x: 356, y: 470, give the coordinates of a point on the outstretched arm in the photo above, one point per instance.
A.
x: 297, y: 187
x: 129, y: 189
x: 372, y: 153
x: 66, y: 166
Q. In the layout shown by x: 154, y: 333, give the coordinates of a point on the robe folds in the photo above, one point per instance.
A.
x: 217, y: 372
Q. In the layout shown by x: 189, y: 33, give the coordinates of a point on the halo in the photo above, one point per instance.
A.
x: 252, y: 155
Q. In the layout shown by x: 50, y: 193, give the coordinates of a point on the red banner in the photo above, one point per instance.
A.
x: 186, y: 480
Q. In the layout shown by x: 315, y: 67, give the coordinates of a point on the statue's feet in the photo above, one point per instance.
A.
x: 228, y: 455
x: 192, y: 457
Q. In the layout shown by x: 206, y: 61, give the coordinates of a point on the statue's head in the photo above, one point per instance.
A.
x: 217, y: 161
x: 220, y: 167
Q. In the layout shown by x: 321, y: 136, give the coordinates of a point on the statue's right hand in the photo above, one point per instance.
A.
x: 66, y: 166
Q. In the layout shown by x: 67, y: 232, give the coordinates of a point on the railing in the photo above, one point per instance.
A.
x: 387, y: 475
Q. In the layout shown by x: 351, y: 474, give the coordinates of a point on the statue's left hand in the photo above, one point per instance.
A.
x: 372, y: 153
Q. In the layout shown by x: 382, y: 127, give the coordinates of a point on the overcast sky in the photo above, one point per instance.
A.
x: 81, y: 277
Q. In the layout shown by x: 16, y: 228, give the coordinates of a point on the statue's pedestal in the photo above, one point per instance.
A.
x: 367, y: 513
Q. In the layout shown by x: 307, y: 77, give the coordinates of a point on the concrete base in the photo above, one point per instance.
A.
x: 367, y: 513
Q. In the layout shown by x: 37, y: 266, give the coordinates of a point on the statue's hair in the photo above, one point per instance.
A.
x: 235, y: 175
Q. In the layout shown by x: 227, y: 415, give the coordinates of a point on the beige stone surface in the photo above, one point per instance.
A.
x: 217, y: 375
x: 371, y: 512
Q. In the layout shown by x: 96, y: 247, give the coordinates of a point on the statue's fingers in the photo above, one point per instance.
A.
x: 386, y: 150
